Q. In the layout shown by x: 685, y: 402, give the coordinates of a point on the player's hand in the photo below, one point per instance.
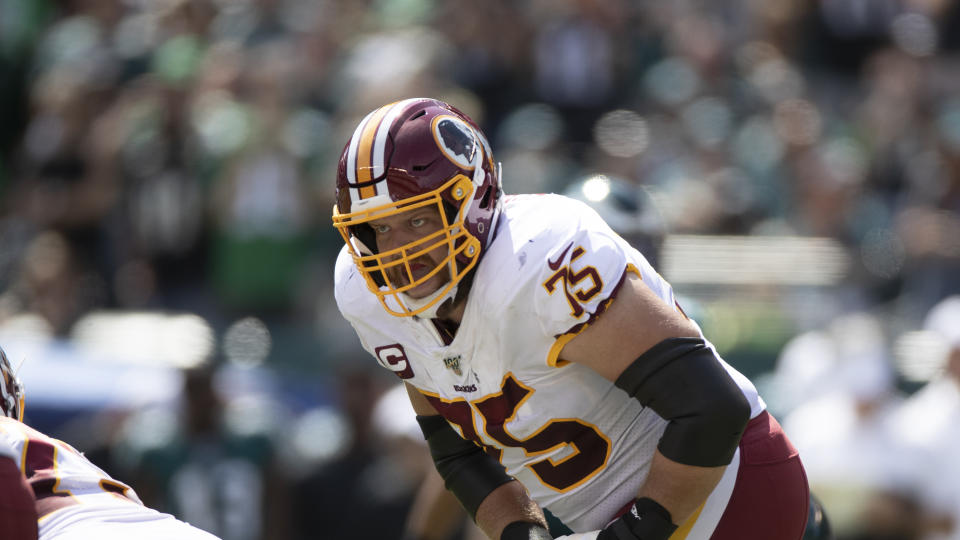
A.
x: 592, y: 535
x: 646, y: 520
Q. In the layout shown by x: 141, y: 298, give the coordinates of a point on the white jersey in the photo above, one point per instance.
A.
x: 76, y: 500
x: 580, y: 445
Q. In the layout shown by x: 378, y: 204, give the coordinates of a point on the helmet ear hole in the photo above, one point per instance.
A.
x: 367, y: 237
x: 485, y: 199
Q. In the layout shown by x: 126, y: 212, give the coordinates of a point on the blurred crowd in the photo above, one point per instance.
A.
x: 179, y: 156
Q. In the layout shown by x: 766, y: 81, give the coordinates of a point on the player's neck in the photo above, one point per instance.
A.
x: 452, y: 312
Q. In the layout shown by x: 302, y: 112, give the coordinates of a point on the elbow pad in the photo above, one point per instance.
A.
x: 683, y: 381
x: 467, y: 471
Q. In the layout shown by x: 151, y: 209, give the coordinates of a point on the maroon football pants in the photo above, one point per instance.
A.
x: 771, y: 496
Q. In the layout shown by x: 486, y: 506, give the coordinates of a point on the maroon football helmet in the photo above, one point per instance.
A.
x: 11, y: 391
x: 405, y: 156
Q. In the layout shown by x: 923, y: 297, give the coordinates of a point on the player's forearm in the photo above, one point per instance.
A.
x: 671, y: 494
x: 679, y: 488
x: 505, y: 505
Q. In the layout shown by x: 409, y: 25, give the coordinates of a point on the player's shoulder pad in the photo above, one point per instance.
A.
x: 532, y: 226
x: 556, y: 255
x: 536, y: 228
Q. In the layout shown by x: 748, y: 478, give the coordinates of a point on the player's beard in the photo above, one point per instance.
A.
x: 419, y: 267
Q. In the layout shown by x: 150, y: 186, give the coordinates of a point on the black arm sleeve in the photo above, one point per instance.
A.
x: 682, y: 380
x: 467, y: 471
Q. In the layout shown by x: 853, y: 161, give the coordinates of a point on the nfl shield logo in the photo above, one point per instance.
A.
x: 453, y: 363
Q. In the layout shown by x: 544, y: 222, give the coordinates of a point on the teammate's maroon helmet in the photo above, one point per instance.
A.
x: 409, y: 155
x: 11, y: 391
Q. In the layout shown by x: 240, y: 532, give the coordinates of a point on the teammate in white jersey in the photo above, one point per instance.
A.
x: 549, y: 364
x: 75, y: 499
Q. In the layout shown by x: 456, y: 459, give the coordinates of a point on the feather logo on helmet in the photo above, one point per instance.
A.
x: 11, y: 390
x: 456, y: 139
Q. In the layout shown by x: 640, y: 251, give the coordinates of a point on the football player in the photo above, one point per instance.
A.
x: 75, y: 499
x: 549, y: 364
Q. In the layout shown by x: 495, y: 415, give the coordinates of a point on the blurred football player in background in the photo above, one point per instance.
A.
x: 627, y: 208
x: 843, y: 428
x: 435, y: 513
x: 929, y: 423
x: 556, y: 372
x: 375, y: 474
x: 205, y: 469
x: 75, y: 499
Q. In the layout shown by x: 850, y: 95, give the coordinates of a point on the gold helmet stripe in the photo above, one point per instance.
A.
x: 366, y: 157
x: 352, y: 155
x: 365, y: 150
x: 379, y: 157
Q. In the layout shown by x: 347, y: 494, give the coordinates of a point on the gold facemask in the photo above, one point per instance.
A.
x: 463, y: 249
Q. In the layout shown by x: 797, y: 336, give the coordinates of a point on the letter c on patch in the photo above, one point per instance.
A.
x: 394, y: 358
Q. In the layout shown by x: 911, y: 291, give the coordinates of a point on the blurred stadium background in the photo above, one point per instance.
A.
x: 166, y: 254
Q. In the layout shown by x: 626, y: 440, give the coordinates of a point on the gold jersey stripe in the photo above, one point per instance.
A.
x: 553, y: 357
